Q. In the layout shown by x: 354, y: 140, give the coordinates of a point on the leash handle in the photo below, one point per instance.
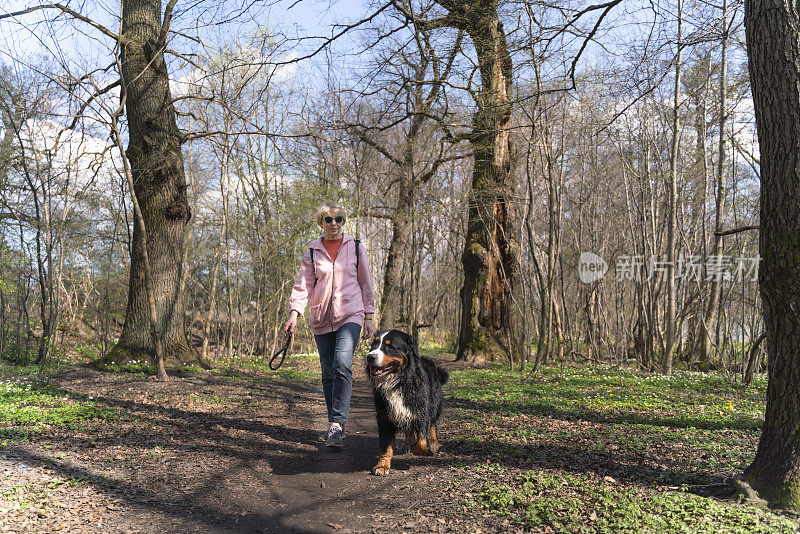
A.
x: 282, y: 352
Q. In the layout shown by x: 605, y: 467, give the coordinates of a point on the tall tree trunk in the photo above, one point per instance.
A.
x: 553, y: 223
x: 672, y: 224
x: 390, y: 297
x: 14, y: 114
x: 716, y: 251
x: 152, y: 314
x: 490, y: 251
x: 212, y: 295
x: 773, y: 44
x: 154, y: 152
x: 696, y: 328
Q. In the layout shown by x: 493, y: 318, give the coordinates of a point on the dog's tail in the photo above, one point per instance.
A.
x: 444, y: 376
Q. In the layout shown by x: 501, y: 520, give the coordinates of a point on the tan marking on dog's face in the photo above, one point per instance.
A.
x: 384, y: 359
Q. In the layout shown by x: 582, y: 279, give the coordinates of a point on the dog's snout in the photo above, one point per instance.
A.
x: 372, y: 357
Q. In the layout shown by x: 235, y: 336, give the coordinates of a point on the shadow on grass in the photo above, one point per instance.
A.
x: 623, y: 467
x: 546, y: 409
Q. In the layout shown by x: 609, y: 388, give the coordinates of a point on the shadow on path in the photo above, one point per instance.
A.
x: 256, y: 472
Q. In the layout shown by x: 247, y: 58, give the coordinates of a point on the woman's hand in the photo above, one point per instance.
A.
x: 291, y: 324
x: 366, y: 333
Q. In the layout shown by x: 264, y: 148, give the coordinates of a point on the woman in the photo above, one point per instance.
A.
x: 334, y: 282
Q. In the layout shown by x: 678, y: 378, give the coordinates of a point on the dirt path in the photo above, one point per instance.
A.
x: 216, y: 454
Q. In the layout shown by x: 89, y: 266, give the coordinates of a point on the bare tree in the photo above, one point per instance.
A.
x: 672, y: 207
x: 710, y: 313
x: 419, y: 74
x: 491, y: 249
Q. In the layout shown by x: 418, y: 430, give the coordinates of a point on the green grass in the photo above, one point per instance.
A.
x: 543, y: 446
x: 136, y: 369
x: 685, y: 400
x: 297, y: 375
x: 567, y: 503
x: 31, y: 407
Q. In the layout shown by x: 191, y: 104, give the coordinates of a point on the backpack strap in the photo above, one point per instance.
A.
x: 313, y: 266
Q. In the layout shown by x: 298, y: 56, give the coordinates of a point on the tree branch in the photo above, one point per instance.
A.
x: 162, y: 37
x: 89, y: 101
x: 64, y: 9
x: 737, y: 230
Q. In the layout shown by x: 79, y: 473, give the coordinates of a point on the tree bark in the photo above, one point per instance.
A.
x: 152, y: 315
x: 490, y: 250
x: 672, y: 225
x: 716, y: 285
x: 154, y: 153
x: 390, y: 306
x: 773, y: 45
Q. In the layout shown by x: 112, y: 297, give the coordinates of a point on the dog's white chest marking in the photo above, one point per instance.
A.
x: 398, y: 411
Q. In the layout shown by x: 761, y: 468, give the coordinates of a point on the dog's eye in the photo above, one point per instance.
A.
x: 387, y: 342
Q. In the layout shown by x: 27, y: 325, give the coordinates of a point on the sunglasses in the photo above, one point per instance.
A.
x: 339, y: 219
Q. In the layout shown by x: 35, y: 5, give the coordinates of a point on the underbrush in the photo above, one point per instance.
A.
x: 566, y: 503
x: 685, y: 399
x: 595, y: 449
x: 28, y: 407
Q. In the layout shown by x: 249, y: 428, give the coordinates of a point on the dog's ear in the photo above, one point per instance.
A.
x: 414, y: 347
x: 411, y: 343
x: 413, y: 360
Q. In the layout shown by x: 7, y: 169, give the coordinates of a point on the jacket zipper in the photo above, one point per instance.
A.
x: 333, y: 282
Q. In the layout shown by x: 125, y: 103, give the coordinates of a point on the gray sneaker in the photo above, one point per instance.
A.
x: 335, y: 438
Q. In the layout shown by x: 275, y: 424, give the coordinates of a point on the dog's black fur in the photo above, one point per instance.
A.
x: 407, y: 389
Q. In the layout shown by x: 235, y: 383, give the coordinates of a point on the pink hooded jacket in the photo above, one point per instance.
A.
x: 339, y: 294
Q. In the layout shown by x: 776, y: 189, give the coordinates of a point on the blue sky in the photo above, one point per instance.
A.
x: 37, y: 34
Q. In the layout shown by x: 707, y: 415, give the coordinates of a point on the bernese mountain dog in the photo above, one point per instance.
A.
x: 407, y: 389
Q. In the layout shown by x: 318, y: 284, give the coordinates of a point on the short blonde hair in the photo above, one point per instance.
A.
x: 331, y: 209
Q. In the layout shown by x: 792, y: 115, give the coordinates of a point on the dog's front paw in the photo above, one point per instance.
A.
x: 381, y: 470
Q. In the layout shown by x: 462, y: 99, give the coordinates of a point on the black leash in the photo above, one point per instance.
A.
x: 283, y: 352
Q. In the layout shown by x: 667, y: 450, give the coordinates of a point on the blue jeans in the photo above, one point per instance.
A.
x: 336, y: 359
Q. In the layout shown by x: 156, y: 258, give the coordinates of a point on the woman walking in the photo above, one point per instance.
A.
x: 334, y: 283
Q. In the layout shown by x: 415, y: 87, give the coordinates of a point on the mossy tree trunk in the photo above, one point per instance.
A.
x: 154, y: 153
x: 773, y: 45
x: 490, y: 251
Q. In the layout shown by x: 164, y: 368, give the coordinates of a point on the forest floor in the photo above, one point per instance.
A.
x: 237, y: 450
